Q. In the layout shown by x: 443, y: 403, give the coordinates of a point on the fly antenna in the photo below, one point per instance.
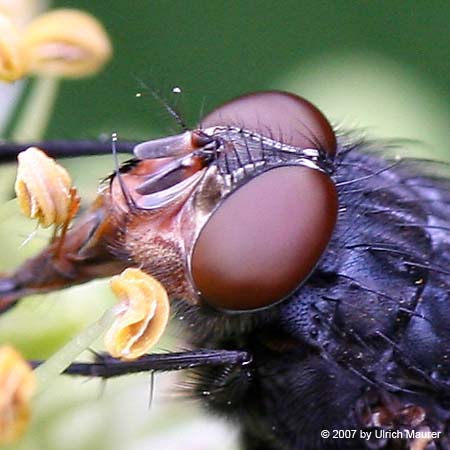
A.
x: 165, y: 104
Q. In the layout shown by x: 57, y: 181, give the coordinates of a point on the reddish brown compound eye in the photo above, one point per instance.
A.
x: 293, y: 120
x: 265, y: 238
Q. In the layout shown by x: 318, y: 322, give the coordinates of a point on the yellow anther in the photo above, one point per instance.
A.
x: 142, y: 314
x: 17, y: 385
x: 20, y: 11
x: 11, y: 56
x: 44, y: 189
x: 66, y: 42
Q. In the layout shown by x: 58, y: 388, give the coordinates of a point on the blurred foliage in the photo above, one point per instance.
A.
x: 368, y: 54
x: 379, y: 66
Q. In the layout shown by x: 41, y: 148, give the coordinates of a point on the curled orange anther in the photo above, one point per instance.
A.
x: 142, y: 314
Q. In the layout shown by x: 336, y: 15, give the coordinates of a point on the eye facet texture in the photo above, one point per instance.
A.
x: 265, y: 238
x: 279, y: 115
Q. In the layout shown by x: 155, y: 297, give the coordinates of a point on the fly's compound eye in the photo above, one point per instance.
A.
x: 282, y: 116
x: 265, y: 238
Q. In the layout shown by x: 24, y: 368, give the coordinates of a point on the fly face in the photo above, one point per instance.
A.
x: 333, y: 261
x: 248, y: 215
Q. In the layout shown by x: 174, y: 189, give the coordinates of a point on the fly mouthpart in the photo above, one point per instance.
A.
x: 164, y: 147
x: 177, y: 145
x: 173, y: 172
x: 159, y: 198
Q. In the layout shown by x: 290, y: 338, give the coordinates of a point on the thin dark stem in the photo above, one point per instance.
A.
x: 64, y: 148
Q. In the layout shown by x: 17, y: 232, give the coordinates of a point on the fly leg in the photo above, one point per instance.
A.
x: 77, y: 256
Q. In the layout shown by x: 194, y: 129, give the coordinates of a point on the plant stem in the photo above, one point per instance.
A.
x: 32, y: 122
x: 34, y: 119
x: 56, y: 364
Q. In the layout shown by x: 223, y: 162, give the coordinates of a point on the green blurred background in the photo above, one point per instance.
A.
x: 379, y: 66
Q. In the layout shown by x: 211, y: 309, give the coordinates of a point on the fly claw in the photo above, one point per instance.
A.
x: 142, y: 314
